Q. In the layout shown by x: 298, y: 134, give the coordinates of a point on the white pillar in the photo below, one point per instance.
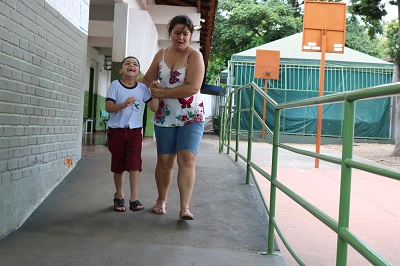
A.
x: 142, y: 37
x: 120, y: 32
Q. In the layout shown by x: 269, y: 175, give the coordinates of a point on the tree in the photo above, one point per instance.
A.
x: 372, y: 12
x: 392, y: 33
x: 244, y: 24
x: 357, y: 38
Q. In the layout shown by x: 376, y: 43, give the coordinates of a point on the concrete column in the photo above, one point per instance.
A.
x: 142, y: 37
x: 119, y: 38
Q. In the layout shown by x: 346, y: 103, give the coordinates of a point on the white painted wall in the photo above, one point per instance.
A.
x: 76, y: 11
x: 101, y: 76
x: 104, y: 78
x: 145, y: 31
x: 142, y: 37
x: 133, y: 4
x: 208, y: 103
x: 101, y: 28
x: 161, y: 16
x: 120, y: 31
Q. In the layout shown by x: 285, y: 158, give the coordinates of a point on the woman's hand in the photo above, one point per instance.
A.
x: 156, y: 90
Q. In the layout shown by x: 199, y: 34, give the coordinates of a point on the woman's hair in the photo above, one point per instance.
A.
x: 180, y: 19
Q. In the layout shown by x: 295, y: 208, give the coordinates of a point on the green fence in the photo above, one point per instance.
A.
x: 297, y: 82
x: 233, y: 114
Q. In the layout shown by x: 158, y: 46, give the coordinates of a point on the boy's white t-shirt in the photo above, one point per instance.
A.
x: 131, y: 116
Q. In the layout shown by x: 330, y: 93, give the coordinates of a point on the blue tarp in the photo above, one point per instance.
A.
x: 211, y: 89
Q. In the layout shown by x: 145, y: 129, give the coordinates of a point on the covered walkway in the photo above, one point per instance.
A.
x: 76, y: 224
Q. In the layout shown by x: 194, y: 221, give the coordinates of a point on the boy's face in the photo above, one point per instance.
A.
x: 130, y: 67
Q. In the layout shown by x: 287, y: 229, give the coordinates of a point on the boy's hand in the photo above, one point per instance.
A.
x: 129, y: 101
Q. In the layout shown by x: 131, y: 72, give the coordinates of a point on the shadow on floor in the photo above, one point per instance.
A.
x: 97, y: 138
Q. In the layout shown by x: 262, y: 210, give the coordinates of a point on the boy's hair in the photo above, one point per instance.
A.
x: 123, y: 61
x: 180, y: 19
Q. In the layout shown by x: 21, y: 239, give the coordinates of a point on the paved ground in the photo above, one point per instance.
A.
x: 76, y: 224
x: 374, y: 213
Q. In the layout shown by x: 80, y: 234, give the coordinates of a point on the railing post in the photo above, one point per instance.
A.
x: 341, y: 227
x: 229, y: 130
x: 239, y: 106
x: 250, y: 134
x: 345, y: 183
x: 222, y: 129
x: 274, y: 169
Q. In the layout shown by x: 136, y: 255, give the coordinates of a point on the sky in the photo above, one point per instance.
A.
x: 392, y: 12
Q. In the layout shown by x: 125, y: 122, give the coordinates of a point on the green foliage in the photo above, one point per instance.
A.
x: 371, y: 13
x: 215, y: 66
x: 392, y: 45
x: 244, y: 24
x: 357, y: 38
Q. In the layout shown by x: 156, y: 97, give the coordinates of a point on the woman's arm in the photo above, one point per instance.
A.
x: 193, y: 81
x: 152, y: 72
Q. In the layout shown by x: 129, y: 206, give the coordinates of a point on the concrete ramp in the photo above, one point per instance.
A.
x: 76, y: 224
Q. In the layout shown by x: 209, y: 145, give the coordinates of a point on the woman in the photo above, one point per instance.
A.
x: 175, y: 77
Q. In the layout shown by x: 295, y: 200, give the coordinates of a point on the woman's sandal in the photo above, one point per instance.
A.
x: 119, y: 204
x: 135, y: 206
x: 186, y: 214
x: 160, y: 207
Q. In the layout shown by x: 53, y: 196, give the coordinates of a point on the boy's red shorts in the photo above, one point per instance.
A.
x: 125, y: 146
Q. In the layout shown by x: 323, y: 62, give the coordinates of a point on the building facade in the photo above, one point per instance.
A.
x: 57, y: 58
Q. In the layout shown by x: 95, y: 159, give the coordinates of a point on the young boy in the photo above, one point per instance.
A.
x: 125, y: 101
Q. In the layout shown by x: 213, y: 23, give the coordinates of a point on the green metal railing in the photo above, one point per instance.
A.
x: 347, y: 163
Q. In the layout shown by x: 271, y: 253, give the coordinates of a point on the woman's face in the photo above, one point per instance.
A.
x: 180, y: 36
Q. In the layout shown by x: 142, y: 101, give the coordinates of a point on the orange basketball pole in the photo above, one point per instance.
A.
x: 265, y: 109
x: 321, y: 93
x: 324, y: 28
x: 267, y: 67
